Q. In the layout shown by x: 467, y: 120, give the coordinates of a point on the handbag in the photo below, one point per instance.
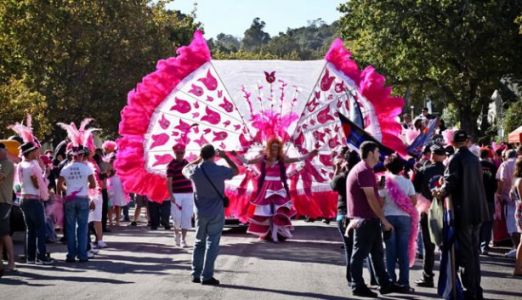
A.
x: 223, y: 197
x: 435, y: 221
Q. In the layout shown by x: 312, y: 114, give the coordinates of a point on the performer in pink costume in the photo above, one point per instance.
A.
x: 273, y: 206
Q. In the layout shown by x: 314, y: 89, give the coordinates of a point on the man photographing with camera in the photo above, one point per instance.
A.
x: 208, y: 180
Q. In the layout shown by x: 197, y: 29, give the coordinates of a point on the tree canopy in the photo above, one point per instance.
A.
x: 303, y: 43
x: 450, y: 51
x: 83, y: 57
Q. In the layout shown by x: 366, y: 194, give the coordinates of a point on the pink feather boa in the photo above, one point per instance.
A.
x: 404, y: 203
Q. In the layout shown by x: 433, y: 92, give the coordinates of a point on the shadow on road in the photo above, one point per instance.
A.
x: 283, y: 292
x: 33, y: 276
x: 318, y: 248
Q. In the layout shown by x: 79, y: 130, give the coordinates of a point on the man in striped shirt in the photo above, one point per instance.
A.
x: 181, y: 195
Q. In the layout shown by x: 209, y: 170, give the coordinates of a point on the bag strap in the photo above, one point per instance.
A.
x: 212, y: 184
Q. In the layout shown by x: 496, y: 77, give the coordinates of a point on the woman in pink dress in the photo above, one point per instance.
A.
x: 273, y: 207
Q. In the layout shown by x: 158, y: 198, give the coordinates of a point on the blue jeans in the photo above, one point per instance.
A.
x: 77, y: 213
x: 206, y: 245
x: 35, y: 228
x: 397, y: 249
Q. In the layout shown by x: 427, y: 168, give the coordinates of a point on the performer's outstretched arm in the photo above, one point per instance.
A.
x: 252, y: 161
x: 312, y: 153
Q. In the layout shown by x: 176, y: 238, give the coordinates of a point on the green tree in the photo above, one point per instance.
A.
x: 244, y: 55
x: 307, y: 42
x: 17, y: 100
x: 512, y: 115
x: 451, y: 51
x: 226, y: 43
x: 254, y: 36
x: 85, y: 56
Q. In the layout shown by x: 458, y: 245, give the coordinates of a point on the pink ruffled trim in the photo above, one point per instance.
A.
x: 404, y: 203
x: 136, y: 116
x: 372, y: 86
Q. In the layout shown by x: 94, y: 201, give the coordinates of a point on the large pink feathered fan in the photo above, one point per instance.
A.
x: 238, y: 105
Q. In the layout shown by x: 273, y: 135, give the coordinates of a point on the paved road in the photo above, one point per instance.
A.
x: 143, y: 264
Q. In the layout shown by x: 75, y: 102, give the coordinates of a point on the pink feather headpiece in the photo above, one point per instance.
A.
x: 25, y: 131
x: 272, y: 124
x: 109, y: 146
x: 80, y: 136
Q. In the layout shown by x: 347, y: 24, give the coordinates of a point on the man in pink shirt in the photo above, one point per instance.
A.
x: 365, y: 210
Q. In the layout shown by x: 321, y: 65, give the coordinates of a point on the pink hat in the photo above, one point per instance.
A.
x: 109, y: 146
x: 179, y: 147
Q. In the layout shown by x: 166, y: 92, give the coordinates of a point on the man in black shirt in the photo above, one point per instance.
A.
x: 346, y: 161
x: 423, y: 182
x: 490, y: 185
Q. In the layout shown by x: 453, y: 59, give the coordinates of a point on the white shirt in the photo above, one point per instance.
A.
x: 390, y: 208
x: 25, y: 171
x: 76, y: 177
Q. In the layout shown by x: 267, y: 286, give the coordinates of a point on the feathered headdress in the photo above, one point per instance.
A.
x: 448, y: 135
x: 272, y: 124
x: 80, y: 136
x: 25, y: 131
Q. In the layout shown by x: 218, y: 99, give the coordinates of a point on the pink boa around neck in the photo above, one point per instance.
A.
x: 404, y: 203
x: 136, y: 116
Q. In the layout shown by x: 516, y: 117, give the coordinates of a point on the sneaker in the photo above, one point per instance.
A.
x: 425, y: 282
x: 31, y: 261
x: 177, y: 239
x: 102, y: 244
x: 184, y: 244
x: 211, y: 281
x: 45, y: 261
x: 90, y: 254
x: 196, y: 280
x: 511, y: 254
x: 94, y: 251
x: 70, y: 260
x: 364, y: 292
x: 133, y: 223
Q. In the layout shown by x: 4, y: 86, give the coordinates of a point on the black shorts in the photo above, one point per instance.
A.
x: 5, y: 219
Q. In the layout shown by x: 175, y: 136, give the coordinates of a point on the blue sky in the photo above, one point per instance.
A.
x: 235, y: 16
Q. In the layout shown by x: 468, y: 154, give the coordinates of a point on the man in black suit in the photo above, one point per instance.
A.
x: 464, y: 183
